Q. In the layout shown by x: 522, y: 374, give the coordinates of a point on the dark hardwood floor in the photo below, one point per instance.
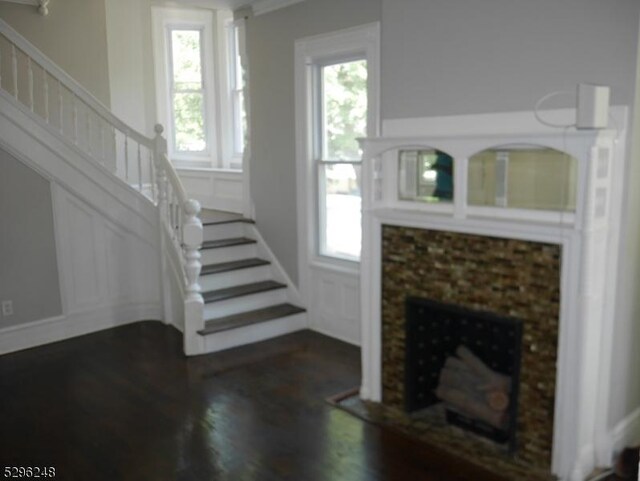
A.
x: 125, y: 404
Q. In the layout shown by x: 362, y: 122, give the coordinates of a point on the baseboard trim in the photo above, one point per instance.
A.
x: 60, y: 328
x: 327, y: 332
x: 584, y: 465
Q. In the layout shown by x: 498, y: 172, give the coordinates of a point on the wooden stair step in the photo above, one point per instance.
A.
x: 233, y: 266
x: 229, y: 221
x: 250, y: 317
x: 236, y: 241
x: 242, y: 290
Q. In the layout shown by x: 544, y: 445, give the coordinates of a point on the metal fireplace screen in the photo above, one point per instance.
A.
x: 469, y: 361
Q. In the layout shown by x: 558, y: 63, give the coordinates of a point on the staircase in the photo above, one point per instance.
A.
x: 245, y: 296
x: 219, y: 282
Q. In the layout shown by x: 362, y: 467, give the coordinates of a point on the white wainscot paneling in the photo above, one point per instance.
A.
x: 102, y: 264
x: 80, y: 254
x: 214, y: 188
x: 334, y: 302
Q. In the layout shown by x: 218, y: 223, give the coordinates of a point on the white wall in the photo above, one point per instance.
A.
x: 270, y: 40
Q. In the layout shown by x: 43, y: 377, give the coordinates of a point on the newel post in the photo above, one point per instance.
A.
x: 192, y: 235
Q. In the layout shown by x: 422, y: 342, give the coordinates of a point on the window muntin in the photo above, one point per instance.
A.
x: 341, y: 93
x: 187, y: 91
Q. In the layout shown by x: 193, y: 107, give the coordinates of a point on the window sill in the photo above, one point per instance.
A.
x: 332, y: 264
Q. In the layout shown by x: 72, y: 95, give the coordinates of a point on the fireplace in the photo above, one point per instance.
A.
x: 463, y: 364
x: 530, y: 237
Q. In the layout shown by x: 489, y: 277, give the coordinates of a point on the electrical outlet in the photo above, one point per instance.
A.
x: 7, y: 308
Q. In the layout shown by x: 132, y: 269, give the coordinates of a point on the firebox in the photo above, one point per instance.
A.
x: 466, y: 361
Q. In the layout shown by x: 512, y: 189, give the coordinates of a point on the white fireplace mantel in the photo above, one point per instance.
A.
x: 589, y: 241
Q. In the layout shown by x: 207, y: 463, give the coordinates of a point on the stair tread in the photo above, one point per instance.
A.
x: 250, y: 317
x: 229, y: 221
x: 235, y: 241
x: 233, y: 265
x: 241, y: 290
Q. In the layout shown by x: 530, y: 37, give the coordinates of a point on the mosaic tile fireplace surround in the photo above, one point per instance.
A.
x: 505, y: 277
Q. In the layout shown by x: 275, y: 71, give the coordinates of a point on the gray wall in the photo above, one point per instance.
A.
x: 448, y: 57
x: 73, y: 35
x: 625, y: 392
x: 28, y: 268
x: 270, y: 42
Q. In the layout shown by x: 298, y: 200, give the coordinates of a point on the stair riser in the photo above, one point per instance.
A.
x: 244, y: 303
x: 228, y: 254
x: 234, y: 278
x: 224, y: 231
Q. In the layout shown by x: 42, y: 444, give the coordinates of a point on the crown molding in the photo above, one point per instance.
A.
x: 43, y: 5
x: 261, y: 7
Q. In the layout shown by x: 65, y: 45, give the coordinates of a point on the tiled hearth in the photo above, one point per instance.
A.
x: 507, y: 277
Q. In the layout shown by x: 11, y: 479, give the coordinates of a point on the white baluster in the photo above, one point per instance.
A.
x: 0, y: 68
x: 74, y: 100
x: 115, y: 150
x: 103, y: 154
x: 60, y: 108
x: 45, y: 86
x: 139, y: 169
x: 152, y: 177
x: 89, y: 147
x: 30, y: 82
x: 14, y: 71
x: 126, y: 157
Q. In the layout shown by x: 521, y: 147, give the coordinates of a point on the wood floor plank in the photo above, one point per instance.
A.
x: 126, y: 404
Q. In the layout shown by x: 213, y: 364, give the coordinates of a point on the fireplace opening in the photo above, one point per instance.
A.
x: 463, y: 365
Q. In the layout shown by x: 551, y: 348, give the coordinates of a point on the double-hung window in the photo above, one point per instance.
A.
x: 340, y: 117
x: 186, y: 97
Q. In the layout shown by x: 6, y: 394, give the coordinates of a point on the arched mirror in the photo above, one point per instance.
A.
x: 425, y: 175
x: 523, y: 177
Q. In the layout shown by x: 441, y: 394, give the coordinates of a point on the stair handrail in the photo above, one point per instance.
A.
x: 178, y: 214
x: 106, y: 140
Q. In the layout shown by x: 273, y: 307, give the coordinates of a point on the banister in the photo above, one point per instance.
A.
x: 70, y: 83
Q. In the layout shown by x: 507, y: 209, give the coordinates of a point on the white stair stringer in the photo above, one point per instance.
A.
x: 231, y: 319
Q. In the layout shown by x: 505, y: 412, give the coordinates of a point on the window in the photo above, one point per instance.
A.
x: 187, y: 91
x: 340, y: 118
x: 236, y: 91
x: 186, y: 97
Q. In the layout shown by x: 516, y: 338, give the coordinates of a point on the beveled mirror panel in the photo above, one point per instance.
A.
x: 425, y: 175
x: 523, y: 177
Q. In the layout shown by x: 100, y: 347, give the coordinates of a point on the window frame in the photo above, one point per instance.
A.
x: 165, y: 20
x: 361, y: 42
x: 318, y: 133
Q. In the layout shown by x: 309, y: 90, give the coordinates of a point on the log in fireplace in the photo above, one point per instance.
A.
x: 467, y: 361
